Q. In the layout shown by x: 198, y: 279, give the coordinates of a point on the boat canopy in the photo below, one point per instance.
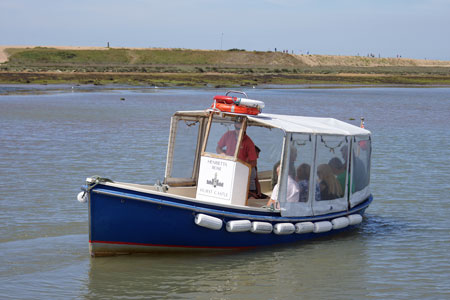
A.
x: 310, y: 165
x: 296, y: 124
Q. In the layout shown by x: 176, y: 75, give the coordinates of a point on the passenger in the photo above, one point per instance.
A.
x: 303, y: 172
x: 338, y: 169
x: 292, y: 193
x: 254, y: 186
x: 292, y: 158
x: 275, y: 174
x: 359, y: 170
x: 328, y: 184
x: 227, y: 145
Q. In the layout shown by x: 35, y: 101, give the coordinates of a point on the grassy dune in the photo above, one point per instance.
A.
x: 184, y: 67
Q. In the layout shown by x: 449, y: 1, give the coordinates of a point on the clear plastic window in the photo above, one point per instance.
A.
x: 223, y: 135
x: 361, y: 164
x: 185, y: 149
x: 299, y: 167
x: 331, y: 166
x: 270, y: 144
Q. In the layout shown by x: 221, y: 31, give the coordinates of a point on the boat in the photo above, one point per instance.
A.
x: 312, y: 179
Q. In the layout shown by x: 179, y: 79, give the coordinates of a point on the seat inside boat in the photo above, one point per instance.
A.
x: 188, y: 188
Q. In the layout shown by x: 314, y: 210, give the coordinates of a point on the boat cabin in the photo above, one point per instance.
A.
x: 311, y: 166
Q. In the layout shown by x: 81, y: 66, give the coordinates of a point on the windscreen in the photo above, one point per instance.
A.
x: 182, y: 157
x: 223, y: 135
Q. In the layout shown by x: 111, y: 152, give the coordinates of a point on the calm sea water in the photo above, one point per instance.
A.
x: 52, y: 138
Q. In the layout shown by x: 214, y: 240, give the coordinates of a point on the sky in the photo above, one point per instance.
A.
x: 385, y: 28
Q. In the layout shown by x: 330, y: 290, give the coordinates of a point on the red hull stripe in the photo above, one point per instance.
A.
x: 172, y: 246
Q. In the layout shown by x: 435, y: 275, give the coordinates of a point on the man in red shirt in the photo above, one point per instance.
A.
x: 227, y: 145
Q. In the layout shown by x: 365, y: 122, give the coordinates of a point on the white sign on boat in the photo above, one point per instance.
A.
x: 222, y: 181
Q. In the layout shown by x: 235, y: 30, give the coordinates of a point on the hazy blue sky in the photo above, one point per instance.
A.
x: 411, y: 28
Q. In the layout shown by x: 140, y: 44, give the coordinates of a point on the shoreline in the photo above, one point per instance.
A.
x: 216, y: 68
x: 218, y: 79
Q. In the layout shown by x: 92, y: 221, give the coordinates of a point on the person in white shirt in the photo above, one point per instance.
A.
x: 292, y: 193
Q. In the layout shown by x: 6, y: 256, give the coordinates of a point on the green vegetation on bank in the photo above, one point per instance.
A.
x: 182, y: 67
x: 137, y: 57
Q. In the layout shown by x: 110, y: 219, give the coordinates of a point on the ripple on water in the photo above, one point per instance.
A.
x: 51, y: 142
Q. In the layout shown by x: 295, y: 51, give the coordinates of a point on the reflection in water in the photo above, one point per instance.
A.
x: 176, y: 276
x: 300, y: 270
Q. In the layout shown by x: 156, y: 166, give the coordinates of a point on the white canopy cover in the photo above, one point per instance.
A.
x: 313, y: 125
x: 310, y: 142
x: 298, y: 124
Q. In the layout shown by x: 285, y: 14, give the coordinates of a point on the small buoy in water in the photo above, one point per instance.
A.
x: 82, y: 197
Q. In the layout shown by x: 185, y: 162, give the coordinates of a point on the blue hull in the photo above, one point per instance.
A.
x: 127, y: 221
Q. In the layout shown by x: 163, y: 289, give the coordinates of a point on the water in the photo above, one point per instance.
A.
x: 51, y: 139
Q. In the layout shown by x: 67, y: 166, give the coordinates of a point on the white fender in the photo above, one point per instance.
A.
x: 82, y: 197
x: 323, y: 226
x: 354, y: 219
x: 284, y: 228
x: 340, y: 223
x: 208, y: 221
x: 238, y: 225
x: 261, y: 227
x: 304, y: 227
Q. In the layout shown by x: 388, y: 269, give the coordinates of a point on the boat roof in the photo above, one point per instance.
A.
x: 296, y: 124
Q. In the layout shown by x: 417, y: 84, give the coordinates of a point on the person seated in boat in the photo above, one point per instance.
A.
x: 292, y: 194
x: 227, y: 145
x: 338, y: 168
x: 359, y: 170
x: 302, y: 177
x: 329, y: 186
x: 292, y: 158
x: 274, y: 180
x: 254, y: 186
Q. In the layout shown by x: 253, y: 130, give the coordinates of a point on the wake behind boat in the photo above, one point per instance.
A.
x: 237, y: 178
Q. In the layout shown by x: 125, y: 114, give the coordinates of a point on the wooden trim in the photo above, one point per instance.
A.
x: 208, y: 127
x: 240, y: 137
